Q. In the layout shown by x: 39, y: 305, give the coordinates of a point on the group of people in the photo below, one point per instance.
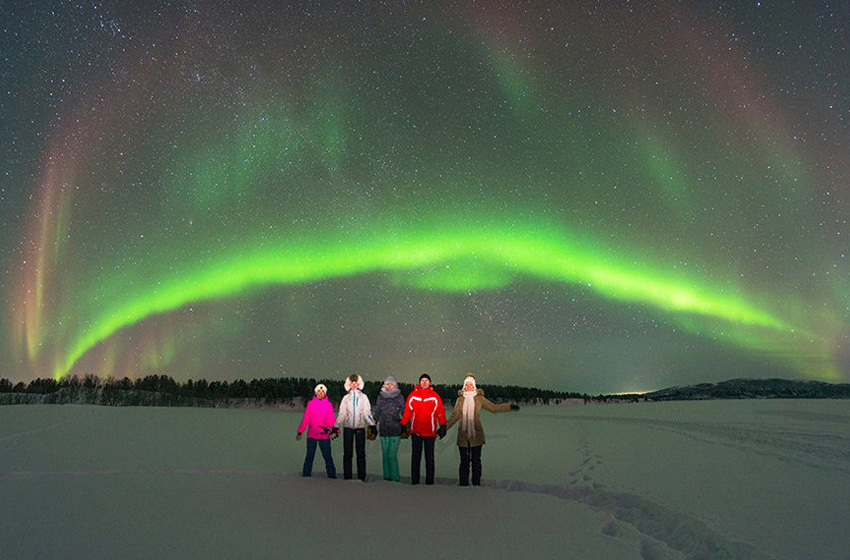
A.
x: 421, y: 416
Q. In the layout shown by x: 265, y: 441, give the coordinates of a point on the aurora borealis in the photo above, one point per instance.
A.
x: 601, y: 196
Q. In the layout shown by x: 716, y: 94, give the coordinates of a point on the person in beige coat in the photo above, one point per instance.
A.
x: 470, y: 432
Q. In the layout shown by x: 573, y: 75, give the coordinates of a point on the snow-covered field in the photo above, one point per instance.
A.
x: 719, y: 479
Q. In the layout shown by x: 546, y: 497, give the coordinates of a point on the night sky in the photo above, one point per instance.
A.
x: 591, y: 196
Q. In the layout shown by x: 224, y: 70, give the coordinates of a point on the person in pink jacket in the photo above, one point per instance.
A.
x: 319, y: 422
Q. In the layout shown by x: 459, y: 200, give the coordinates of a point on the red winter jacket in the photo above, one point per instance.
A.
x: 424, y: 410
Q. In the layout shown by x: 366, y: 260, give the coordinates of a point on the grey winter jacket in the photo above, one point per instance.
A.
x: 387, y: 413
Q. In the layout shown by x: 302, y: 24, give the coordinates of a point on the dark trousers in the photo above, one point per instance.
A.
x: 418, y: 443
x: 470, y: 455
x: 325, y: 446
x: 354, y: 439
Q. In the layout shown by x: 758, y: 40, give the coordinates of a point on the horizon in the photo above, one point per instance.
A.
x: 326, y: 380
x: 577, y: 392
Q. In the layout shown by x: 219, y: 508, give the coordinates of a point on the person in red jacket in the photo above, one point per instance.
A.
x: 426, y: 417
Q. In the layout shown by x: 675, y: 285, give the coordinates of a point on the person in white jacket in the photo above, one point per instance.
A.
x: 355, y: 416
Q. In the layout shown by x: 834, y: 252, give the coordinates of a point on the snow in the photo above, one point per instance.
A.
x: 757, y: 479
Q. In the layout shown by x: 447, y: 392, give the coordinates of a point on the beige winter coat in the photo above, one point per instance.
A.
x: 464, y: 439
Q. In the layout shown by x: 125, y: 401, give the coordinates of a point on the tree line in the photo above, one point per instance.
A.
x: 162, y: 390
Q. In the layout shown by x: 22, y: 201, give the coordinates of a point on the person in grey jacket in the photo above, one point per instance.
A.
x: 355, y: 415
x: 387, y: 414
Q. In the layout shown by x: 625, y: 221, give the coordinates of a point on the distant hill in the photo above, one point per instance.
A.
x: 753, y: 389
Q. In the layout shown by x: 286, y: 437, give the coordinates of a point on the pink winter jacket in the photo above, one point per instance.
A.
x: 318, y: 414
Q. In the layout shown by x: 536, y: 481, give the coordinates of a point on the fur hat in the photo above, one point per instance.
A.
x: 348, y: 383
x: 322, y: 387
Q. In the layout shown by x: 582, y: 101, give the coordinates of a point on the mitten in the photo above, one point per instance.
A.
x: 298, y: 436
x: 442, y: 431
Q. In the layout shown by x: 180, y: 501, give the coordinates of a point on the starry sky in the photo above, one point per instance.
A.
x: 591, y: 196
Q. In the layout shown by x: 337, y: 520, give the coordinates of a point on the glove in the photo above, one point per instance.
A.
x: 298, y: 436
x: 371, y: 432
x: 334, y: 433
x: 442, y: 431
x: 514, y: 406
x: 405, y: 433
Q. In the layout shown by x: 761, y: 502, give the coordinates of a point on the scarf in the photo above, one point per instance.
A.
x: 389, y: 393
x: 468, y: 421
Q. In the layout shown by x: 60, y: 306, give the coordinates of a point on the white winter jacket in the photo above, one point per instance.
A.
x: 355, y: 410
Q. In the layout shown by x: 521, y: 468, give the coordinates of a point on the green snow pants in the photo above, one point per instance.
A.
x: 389, y: 450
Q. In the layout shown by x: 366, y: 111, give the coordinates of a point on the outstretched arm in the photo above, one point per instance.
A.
x: 491, y: 407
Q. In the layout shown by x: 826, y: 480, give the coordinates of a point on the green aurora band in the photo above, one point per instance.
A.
x: 450, y: 259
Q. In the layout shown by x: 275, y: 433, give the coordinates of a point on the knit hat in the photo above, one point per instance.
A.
x: 320, y: 386
x: 470, y: 379
x: 424, y: 376
x: 390, y: 380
